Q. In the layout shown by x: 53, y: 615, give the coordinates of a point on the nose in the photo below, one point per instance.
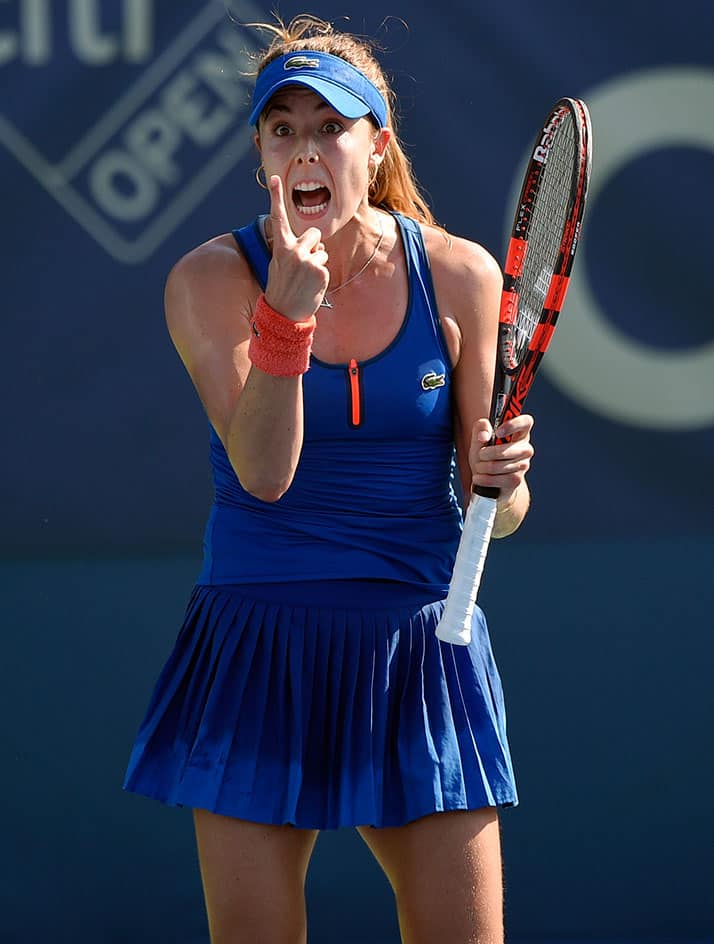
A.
x: 307, y: 151
x: 309, y: 156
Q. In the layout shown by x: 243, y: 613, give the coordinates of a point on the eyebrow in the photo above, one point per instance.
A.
x: 284, y: 108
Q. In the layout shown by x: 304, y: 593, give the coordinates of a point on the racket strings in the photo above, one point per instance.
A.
x: 548, y: 220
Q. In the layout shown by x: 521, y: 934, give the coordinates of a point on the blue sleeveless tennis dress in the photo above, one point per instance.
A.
x: 306, y: 685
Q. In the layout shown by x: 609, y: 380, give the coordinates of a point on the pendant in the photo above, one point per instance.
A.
x: 325, y: 303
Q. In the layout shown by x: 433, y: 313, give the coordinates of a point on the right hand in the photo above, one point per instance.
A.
x: 298, y: 275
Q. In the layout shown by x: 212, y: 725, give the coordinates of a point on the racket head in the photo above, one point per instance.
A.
x: 541, y: 250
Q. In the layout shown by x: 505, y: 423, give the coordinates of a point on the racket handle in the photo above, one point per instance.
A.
x: 455, y: 623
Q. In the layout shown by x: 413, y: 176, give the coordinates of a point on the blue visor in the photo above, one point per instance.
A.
x: 342, y: 86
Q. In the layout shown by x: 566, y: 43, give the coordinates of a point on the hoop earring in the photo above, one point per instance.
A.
x: 373, y: 175
x: 261, y: 183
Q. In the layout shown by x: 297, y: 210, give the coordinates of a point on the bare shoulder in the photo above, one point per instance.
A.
x: 207, y: 284
x: 209, y: 298
x: 459, y: 262
x: 467, y: 283
x: 220, y: 254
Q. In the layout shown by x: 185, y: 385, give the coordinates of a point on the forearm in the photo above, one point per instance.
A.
x: 511, y: 511
x: 265, y: 433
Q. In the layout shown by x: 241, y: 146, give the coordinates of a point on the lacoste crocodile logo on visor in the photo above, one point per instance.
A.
x: 301, y: 62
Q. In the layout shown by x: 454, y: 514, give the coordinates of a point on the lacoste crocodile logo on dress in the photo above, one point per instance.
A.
x: 432, y: 380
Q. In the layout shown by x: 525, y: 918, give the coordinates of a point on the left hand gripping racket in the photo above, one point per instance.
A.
x: 544, y: 237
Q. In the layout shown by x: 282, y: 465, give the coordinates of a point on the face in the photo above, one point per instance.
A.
x: 324, y: 160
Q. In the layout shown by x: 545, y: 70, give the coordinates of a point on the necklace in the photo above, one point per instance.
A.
x: 326, y: 303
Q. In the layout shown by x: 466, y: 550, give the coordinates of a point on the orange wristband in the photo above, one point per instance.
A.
x: 279, y: 346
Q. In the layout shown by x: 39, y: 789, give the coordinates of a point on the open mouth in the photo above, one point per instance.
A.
x: 311, y: 198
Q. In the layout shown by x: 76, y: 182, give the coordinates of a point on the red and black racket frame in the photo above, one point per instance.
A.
x: 513, y: 381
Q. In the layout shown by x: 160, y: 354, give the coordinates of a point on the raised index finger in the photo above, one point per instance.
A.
x: 282, y: 232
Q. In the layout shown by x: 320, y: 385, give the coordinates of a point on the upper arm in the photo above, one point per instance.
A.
x: 209, y: 296
x: 468, y: 284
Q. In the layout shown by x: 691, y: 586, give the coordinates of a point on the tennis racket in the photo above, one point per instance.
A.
x: 539, y: 260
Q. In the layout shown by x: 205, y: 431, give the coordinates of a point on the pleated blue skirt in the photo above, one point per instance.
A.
x: 276, y: 710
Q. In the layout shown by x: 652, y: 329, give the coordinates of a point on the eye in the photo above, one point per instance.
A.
x: 281, y: 130
x: 332, y: 127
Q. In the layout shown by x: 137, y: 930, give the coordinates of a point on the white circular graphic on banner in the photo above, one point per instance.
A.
x: 590, y: 359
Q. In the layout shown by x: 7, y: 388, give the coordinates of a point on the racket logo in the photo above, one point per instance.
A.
x: 432, y: 380
x: 542, y: 150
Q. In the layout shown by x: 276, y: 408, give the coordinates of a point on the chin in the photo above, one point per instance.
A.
x: 322, y: 220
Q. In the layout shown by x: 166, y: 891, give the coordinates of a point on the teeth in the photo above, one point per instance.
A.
x: 308, y: 186
x: 311, y: 210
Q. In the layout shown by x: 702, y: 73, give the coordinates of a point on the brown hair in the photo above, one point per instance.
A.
x: 395, y: 185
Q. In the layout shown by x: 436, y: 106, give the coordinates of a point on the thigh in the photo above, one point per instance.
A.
x: 253, y: 879
x: 446, y: 873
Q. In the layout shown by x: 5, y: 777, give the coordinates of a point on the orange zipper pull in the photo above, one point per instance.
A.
x: 355, y: 393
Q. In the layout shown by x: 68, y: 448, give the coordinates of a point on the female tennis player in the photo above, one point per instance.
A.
x: 343, y: 347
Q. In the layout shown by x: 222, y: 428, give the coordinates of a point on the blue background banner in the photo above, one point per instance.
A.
x: 124, y: 143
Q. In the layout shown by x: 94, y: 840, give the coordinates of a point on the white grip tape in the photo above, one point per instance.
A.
x: 455, y: 623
